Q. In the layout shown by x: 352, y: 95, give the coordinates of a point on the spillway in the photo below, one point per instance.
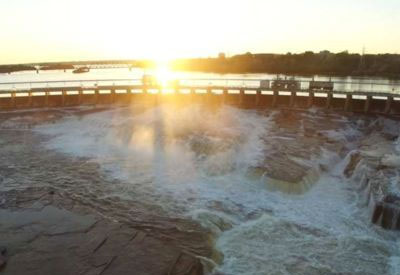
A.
x: 240, y: 175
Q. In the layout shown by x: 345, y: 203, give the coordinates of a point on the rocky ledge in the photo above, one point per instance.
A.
x: 300, y: 148
x: 374, y: 168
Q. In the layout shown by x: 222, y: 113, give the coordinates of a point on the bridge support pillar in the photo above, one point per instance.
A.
x: 192, y: 95
x: 275, y: 99
x: 208, y: 97
x: 30, y: 101
x: 347, y: 105
x: 63, y: 93
x: 96, y: 97
x: 80, y: 91
x: 388, y: 105
x: 367, y: 104
x: 241, y: 97
x: 258, y: 97
x: 46, y: 99
x: 329, y: 100
x: 112, y: 96
x: 292, y: 99
x: 13, y: 101
x: 224, y: 95
x: 129, y: 96
x: 310, y: 99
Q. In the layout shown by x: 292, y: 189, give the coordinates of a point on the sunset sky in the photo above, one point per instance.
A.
x: 64, y: 30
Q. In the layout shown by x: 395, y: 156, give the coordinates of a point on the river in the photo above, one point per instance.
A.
x: 341, y: 83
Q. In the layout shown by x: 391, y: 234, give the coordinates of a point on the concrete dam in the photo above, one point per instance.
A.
x: 262, y: 94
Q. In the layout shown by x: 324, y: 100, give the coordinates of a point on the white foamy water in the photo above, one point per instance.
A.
x: 195, y: 163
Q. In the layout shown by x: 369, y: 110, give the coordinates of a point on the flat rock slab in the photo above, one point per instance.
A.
x: 56, y: 241
x: 49, y: 220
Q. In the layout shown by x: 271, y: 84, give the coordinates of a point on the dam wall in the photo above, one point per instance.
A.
x: 359, y: 102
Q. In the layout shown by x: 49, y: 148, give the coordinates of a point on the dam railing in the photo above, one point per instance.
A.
x: 364, y: 97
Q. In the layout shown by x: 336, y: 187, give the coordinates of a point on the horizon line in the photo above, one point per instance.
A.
x: 187, y: 58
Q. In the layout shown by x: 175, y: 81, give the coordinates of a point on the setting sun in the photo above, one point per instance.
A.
x: 163, y: 73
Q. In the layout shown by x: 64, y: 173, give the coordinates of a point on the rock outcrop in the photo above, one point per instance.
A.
x: 374, y: 168
x: 49, y: 240
x: 300, y: 149
x: 3, y: 259
x: 387, y: 212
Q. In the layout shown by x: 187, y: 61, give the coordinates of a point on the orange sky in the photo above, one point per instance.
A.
x: 64, y: 30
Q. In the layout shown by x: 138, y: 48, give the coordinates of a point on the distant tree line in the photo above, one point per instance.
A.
x: 19, y: 68
x: 70, y: 65
x: 15, y: 68
x: 308, y: 63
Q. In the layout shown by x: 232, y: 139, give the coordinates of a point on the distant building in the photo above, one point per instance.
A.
x: 221, y: 56
x: 325, y: 52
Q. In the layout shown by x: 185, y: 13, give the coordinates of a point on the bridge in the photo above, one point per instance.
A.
x: 245, y: 93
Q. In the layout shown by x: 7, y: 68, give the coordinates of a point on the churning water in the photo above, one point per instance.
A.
x: 196, y: 164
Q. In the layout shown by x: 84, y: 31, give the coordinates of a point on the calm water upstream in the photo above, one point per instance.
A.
x: 343, y: 83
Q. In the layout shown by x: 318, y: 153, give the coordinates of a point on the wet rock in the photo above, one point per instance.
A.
x: 216, y: 222
x: 387, y: 212
x: 3, y: 259
x: 107, y: 248
x: 392, y: 198
x: 286, y: 176
x: 390, y: 160
x: 300, y: 147
x: 48, y: 220
x: 186, y: 264
x: 355, y: 159
x: 3, y: 262
x: 378, y: 210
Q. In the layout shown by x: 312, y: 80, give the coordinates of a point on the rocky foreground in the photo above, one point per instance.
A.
x: 55, y: 215
x: 59, y: 216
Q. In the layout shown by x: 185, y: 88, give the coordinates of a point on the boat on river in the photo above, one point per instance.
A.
x: 81, y: 70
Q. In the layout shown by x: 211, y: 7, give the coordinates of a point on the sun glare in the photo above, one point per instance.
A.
x: 164, y: 76
x: 163, y: 73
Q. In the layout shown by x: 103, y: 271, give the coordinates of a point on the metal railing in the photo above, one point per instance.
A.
x: 342, y: 86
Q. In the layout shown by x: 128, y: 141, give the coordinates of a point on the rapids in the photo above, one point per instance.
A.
x: 197, y: 164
